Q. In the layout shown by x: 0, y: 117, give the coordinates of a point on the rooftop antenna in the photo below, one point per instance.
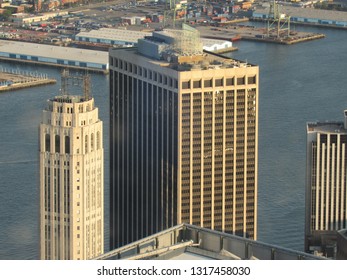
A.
x: 64, y: 81
x: 82, y: 81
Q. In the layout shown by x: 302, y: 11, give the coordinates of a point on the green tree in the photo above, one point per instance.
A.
x: 6, y: 15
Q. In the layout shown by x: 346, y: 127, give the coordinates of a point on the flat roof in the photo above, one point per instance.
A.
x: 210, y: 42
x: 115, y: 34
x: 53, y: 52
x: 189, y: 242
x: 208, y: 60
x: 307, y: 13
x: 326, y: 127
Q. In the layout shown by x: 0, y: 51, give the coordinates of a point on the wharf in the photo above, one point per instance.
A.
x: 226, y: 50
x: 285, y: 41
x: 14, y: 81
x: 252, y: 33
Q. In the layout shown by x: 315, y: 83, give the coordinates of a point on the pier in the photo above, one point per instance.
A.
x: 251, y: 33
x: 14, y: 80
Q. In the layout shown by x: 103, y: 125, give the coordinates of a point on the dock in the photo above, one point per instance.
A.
x: 285, y: 41
x: 14, y: 81
x: 251, y: 33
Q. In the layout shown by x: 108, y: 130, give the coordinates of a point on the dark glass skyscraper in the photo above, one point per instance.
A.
x: 183, y: 138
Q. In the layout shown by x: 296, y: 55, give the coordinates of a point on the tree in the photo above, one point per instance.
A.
x: 6, y: 15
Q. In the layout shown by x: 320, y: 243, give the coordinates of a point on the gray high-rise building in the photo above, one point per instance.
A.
x: 183, y: 138
x: 326, y: 185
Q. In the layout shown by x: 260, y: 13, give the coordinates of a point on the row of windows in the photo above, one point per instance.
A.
x: 145, y: 73
x: 57, y: 145
x: 218, y: 82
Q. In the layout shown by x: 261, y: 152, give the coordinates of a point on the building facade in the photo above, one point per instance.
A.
x: 183, y: 139
x: 71, y: 180
x: 326, y: 191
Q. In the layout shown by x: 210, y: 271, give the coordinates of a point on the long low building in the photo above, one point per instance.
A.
x: 54, y: 55
x: 123, y: 37
x: 307, y: 15
x: 112, y: 36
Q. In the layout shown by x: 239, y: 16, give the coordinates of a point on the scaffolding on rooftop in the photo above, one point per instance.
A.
x: 187, y: 41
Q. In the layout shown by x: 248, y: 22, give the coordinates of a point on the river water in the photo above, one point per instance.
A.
x: 298, y: 83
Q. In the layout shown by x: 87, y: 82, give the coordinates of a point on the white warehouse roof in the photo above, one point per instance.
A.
x: 54, y: 55
x: 114, y: 34
x: 55, y: 52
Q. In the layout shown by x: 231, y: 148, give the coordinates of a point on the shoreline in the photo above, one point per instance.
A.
x: 15, y: 81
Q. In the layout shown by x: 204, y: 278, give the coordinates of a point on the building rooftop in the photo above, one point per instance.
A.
x: 114, y: 34
x: 343, y: 233
x: 181, y: 50
x: 54, y: 52
x: 308, y: 13
x: 188, y: 242
x: 70, y: 99
x: 207, y: 60
x: 326, y: 127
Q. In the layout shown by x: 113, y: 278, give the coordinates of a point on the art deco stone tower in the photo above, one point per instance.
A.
x: 71, y: 178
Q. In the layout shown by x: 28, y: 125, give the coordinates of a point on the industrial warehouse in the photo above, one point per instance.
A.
x: 111, y: 36
x: 53, y: 55
x: 307, y: 16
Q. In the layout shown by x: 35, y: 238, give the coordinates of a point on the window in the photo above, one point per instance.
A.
x: 241, y: 81
x: 229, y: 81
x: 57, y: 144
x: 218, y: 82
x: 208, y: 83
x: 47, y: 143
x: 197, y: 84
x: 86, y: 144
x: 92, y: 142
x: 98, y: 140
x: 252, y: 80
x: 67, y: 144
x: 186, y: 85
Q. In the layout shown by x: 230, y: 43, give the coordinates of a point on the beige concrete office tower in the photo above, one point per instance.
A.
x: 326, y: 185
x: 71, y: 180
x: 184, y: 139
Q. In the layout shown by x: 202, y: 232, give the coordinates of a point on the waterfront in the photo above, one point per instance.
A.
x: 299, y: 83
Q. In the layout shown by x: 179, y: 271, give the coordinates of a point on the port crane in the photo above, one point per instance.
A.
x: 277, y: 22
